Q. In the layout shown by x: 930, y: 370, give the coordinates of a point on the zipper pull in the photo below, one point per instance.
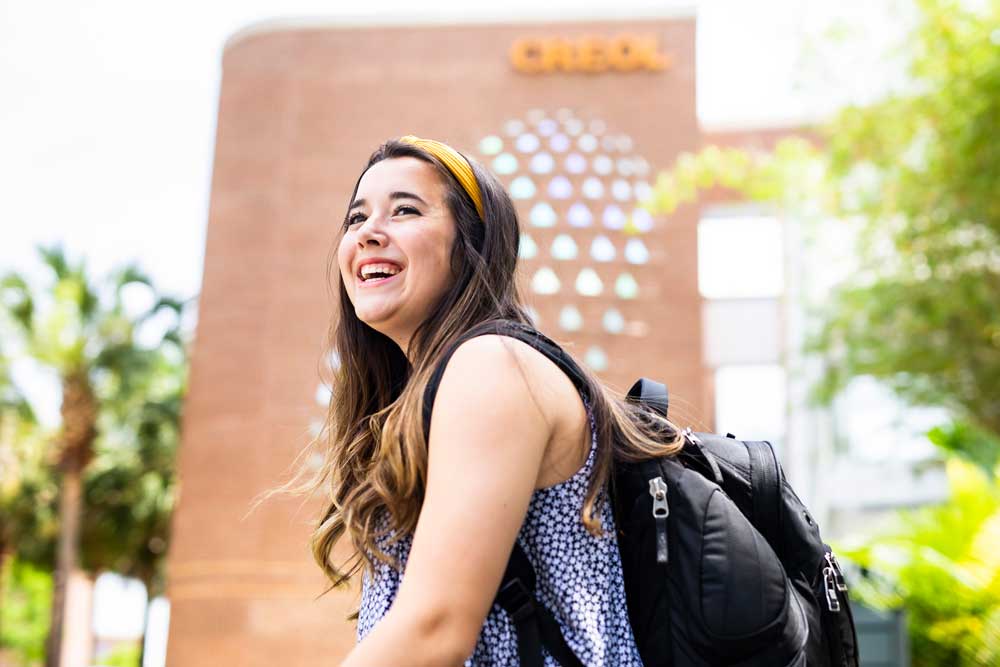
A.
x: 709, y: 457
x: 830, y: 586
x: 837, y: 572
x: 658, y: 489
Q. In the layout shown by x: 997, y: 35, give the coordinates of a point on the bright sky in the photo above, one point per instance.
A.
x: 107, y: 110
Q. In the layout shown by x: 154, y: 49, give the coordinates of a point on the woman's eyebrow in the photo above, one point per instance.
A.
x: 392, y: 195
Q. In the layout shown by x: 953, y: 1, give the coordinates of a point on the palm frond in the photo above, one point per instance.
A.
x: 55, y: 257
x: 16, y: 299
x: 131, y: 274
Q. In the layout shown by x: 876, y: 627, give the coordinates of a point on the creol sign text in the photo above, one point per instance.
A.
x: 587, y: 53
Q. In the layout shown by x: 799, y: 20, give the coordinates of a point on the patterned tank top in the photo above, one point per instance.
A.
x: 579, y: 580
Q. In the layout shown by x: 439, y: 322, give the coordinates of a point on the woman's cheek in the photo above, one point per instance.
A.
x: 344, y: 265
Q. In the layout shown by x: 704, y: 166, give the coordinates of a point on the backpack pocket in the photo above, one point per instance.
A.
x: 748, y: 609
x: 722, y: 597
x: 744, y: 590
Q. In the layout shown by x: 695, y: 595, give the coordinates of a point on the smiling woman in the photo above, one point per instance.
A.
x: 518, y: 451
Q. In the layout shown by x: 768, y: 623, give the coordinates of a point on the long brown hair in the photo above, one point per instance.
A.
x: 372, y: 443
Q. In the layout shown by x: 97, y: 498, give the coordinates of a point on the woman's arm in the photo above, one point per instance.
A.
x: 487, y: 441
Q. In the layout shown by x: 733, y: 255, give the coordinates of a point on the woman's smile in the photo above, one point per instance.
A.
x: 375, y: 282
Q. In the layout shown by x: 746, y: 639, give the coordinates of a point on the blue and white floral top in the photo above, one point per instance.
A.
x: 579, y: 580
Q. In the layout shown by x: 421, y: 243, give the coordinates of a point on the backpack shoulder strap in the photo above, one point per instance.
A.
x: 765, y: 483
x: 535, y: 624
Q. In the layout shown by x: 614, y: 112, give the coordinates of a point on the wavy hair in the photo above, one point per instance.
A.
x: 372, y: 443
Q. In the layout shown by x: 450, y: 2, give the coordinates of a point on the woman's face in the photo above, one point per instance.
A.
x: 399, y: 215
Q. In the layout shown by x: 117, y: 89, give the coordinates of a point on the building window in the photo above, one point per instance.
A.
x: 579, y: 215
x: 636, y: 252
x: 504, y: 164
x: 871, y: 423
x: 545, y: 281
x: 750, y: 402
x: 522, y: 187
x: 588, y: 283
x: 527, y: 248
x: 570, y: 318
x: 740, y: 256
x: 542, y: 163
x: 602, y: 249
x: 613, y: 321
x: 596, y: 359
x: 543, y: 215
x: 564, y: 247
x: 626, y: 287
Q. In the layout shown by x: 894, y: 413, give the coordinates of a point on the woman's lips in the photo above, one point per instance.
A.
x: 379, y: 281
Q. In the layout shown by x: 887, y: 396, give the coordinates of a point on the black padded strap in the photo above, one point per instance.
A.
x: 535, y: 624
x: 765, y: 481
x: 520, y: 606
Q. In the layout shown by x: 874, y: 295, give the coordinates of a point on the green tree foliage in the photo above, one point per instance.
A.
x: 110, y: 460
x: 122, y: 656
x: 130, y: 487
x: 26, y: 601
x: 925, y: 314
x: 943, y: 564
x: 917, y: 175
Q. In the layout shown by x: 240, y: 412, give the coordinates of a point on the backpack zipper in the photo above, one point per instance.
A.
x: 830, y: 587
x: 658, y: 490
x: 837, y: 572
x: 709, y: 457
x: 833, y: 581
x: 839, y: 627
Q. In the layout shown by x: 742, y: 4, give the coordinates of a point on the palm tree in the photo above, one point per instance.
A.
x: 130, y: 487
x: 17, y: 421
x: 86, y: 337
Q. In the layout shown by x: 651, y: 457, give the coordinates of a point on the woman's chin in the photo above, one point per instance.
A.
x: 374, y: 314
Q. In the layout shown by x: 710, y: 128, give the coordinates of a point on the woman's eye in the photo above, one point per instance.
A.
x: 359, y: 217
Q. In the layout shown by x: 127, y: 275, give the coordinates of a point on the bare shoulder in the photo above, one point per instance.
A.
x: 511, y: 377
x: 513, y: 360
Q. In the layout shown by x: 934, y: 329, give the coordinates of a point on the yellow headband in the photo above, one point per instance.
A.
x: 455, y: 163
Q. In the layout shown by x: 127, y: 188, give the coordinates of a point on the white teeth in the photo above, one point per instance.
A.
x: 369, y: 269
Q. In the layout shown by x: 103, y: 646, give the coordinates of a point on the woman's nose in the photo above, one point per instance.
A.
x: 371, y: 231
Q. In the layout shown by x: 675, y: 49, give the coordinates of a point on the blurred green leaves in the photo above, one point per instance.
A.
x: 943, y: 564
x: 26, y: 598
x: 119, y: 353
x: 917, y: 175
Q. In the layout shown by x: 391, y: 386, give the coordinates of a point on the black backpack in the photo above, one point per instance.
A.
x: 723, y: 564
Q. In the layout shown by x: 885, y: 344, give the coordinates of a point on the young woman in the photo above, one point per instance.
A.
x: 515, y: 449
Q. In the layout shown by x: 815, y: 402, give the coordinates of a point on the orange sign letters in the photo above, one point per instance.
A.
x: 587, y: 53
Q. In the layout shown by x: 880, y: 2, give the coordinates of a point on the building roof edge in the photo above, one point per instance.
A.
x: 685, y: 9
